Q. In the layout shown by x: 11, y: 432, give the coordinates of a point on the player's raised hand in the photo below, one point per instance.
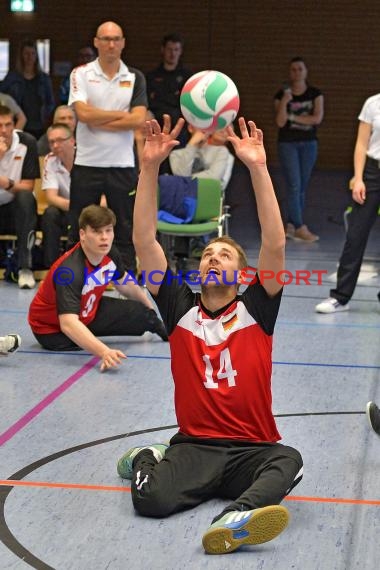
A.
x: 159, y: 142
x: 249, y: 146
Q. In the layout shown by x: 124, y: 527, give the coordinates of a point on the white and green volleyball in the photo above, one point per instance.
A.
x: 209, y: 101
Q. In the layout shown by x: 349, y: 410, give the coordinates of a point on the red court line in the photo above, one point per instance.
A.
x: 333, y: 500
x: 17, y: 483
x: 47, y: 484
x: 29, y: 416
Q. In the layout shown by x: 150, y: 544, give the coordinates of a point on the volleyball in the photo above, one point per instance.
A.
x: 209, y: 101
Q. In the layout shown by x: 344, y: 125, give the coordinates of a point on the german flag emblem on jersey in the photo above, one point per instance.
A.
x: 125, y: 83
x: 227, y: 325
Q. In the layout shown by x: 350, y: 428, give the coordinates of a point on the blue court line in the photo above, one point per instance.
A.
x: 321, y: 364
x: 338, y: 325
x: 14, y: 311
x: 81, y: 353
x: 279, y: 322
x: 157, y: 357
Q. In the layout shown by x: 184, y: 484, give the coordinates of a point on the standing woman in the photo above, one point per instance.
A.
x: 31, y: 88
x: 299, y: 109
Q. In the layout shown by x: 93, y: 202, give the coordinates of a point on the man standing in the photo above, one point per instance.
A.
x: 164, y: 84
x: 56, y: 183
x: 85, y: 55
x: 19, y: 167
x: 109, y: 99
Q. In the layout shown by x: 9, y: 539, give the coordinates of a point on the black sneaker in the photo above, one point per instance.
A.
x: 373, y: 415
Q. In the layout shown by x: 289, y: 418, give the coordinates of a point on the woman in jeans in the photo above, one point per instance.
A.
x: 299, y: 109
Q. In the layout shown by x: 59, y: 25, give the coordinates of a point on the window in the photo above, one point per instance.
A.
x: 43, y: 50
x: 4, y: 58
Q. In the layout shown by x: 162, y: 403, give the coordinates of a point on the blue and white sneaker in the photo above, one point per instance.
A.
x: 245, y: 527
x: 125, y: 463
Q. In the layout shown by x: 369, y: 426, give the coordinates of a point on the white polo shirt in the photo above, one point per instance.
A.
x: 89, y: 84
x: 370, y: 113
x: 20, y: 162
x: 56, y: 176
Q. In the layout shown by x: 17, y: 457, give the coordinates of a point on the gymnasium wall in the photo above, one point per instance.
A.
x: 249, y: 40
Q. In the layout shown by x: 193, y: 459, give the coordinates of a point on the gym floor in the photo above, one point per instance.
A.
x: 63, y: 426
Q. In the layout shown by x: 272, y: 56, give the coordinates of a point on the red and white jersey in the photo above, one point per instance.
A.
x: 72, y: 286
x: 222, y: 363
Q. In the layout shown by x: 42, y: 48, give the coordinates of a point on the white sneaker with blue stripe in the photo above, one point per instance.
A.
x: 245, y: 527
x: 331, y: 305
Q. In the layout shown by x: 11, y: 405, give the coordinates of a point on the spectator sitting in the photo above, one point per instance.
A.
x: 56, y: 183
x: 18, y: 114
x: 205, y: 156
x: 64, y: 115
x: 19, y: 167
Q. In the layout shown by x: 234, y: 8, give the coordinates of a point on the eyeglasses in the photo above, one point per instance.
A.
x: 108, y: 39
x: 58, y: 140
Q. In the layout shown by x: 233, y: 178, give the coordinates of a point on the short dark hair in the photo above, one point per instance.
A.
x: 60, y: 126
x: 243, y: 261
x: 297, y: 59
x: 96, y: 217
x: 173, y: 37
x: 4, y: 110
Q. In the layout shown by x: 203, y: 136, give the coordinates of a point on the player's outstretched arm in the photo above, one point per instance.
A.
x: 158, y: 145
x: 83, y: 337
x: 250, y: 149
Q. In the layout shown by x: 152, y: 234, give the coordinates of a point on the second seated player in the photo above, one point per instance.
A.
x: 69, y: 310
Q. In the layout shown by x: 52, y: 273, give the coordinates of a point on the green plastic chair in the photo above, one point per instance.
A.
x: 208, y: 216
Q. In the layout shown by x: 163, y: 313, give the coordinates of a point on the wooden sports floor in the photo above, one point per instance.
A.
x: 63, y: 426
